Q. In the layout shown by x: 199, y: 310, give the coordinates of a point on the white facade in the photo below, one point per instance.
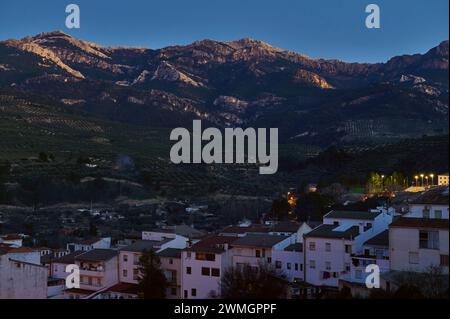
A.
x: 289, y: 263
x: 101, y: 243
x: 21, y: 280
x: 438, y: 211
x: 416, y: 248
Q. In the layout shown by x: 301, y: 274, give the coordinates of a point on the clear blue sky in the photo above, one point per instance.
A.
x: 318, y: 28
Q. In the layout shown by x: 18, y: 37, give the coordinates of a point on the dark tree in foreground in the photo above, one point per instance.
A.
x: 152, y: 281
x: 247, y: 283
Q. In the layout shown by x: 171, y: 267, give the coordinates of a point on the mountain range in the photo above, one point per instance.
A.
x: 239, y: 83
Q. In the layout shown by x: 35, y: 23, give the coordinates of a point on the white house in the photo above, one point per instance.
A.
x: 329, y: 247
x: 170, y: 259
x: 256, y: 250
x: 431, y: 204
x: 289, y: 262
x: 98, y: 271
x: 129, y: 257
x: 21, y: 280
x: 14, y: 240
x: 375, y: 252
x: 89, y: 244
x: 415, y: 244
x: 203, y: 265
x: 176, y: 240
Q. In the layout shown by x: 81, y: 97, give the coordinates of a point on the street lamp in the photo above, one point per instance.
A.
x: 426, y: 179
x: 421, y: 176
x: 432, y: 179
x: 417, y: 179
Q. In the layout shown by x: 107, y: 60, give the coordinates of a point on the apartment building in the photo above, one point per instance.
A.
x: 256, y: 250
x: 415, y: 244
x: 20, y: 279
x: 431, y: 204
x: 289, y: 262
x: 203, y: 266
x: 170, y: 259
x: 98, y: 270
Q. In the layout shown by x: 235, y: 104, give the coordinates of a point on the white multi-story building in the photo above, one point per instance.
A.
x: 20, y: 279
x: 203, y: 266
x: 375, y: 252
x: 329, y: 247
x: 431, y: 204
x: 129, y: 257
x: 256, y: 250
x: 170, y: 259
x: 289, y: 262
x: 415, y: 244
x: 98, y: 271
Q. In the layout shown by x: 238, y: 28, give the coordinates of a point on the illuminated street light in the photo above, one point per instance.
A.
x: 432, y: 179
x: 421, y: 176
x: 417, y: 179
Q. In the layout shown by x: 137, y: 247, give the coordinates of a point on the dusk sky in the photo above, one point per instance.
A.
x: 320, y: 28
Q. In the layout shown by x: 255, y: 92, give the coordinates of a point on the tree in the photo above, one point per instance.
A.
x: 248, y: 283
x: 152, y: 281
x: 280, y: 208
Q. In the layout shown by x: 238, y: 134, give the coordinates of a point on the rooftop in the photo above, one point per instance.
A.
x: 259, y: 240
x: 295, y: 247
x: 382, y: 239
x: 67, y: 259
x: 170, y: 253
x: 286, y: 227
x: 436, y: 196
x: 327, y: 231
x: 125, y: 288
x: 256, y: 228
x: 409, y: 222
x: 141, y: 246
x: 213, y: 244
x: 97, y: 255
x: 365, y: 215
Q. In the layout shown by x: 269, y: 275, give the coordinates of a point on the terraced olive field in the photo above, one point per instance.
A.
x: 30, y: 128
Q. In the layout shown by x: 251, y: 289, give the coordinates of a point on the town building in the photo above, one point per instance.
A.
x: 203, y: 266
x: 170, y: 259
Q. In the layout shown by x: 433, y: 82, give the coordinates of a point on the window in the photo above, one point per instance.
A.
x: 413, y: 258
x: 312, y: 246
x: 348, y: 249
x: 312, y: 264
x: 125, y: 272
x: 327, y: 247
x: 185, y: 294
x: 206, y: 271
x: 173, y: 291
x: 188, y: 254
x: 429, y: 239
x: 347, y: 267
x: 328, y: 265
x: 193, y: 292
x: 188, y: 270
x: 296, y: 267
x: 136, y: 274
x: 125, y: 258
x: 170, y: 261
x: 205, y: 256
x: 288, y: 266
x: 258, y: 253
x: 438, y: 214
x: 215, y: 272
x: 335, y: 223
x: 444, y: 260
x: 301, y: 267
x: 278, y: 264
x: 269, y: 260
x: 426, y: 212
